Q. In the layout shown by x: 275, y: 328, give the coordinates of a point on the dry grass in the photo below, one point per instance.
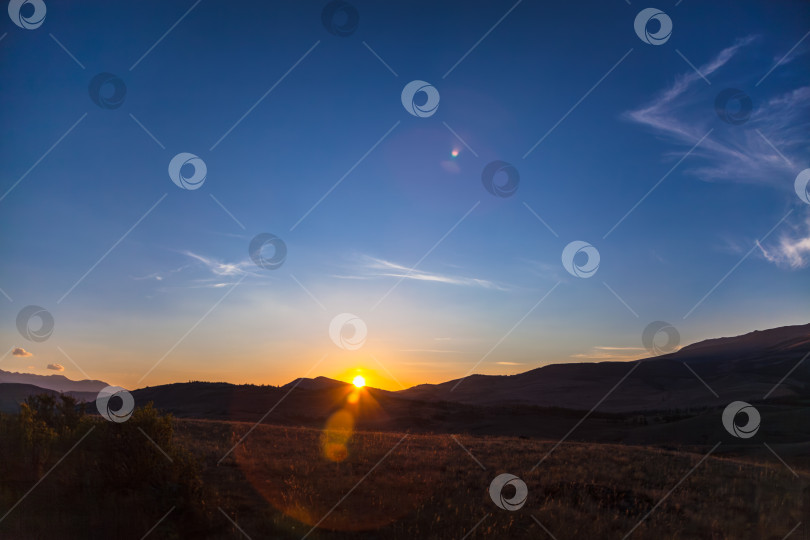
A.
x: 278, y: 484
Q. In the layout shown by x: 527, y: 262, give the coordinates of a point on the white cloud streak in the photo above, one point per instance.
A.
x: 740, y: 153
x: 792, y: 250
x: 615, y: 354
x: 372, y: 267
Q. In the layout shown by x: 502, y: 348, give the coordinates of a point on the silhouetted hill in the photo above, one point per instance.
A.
x: 318, y: 383
x: 12, y: 394
x: 59, y: 383
x: 744, y: 368
x: 737, y: 368
x: 655, y: 401
x: 309, y: 402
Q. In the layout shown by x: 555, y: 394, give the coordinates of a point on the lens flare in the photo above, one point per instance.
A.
x: 454, y: 153
x: 359, y: 381
x: 336, y: 436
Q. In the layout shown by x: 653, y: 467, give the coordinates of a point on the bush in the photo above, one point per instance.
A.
x: 125, y: 462
x: 115, y: 482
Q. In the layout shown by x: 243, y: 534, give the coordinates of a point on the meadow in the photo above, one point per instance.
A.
x: 282, y: 481
x: 278, y: 484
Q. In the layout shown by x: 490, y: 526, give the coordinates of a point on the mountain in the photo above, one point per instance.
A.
x: 708, y: 374
x: 318, y: 383
x: 308, y: 402
x: 743, y: 368
x: 58, y: 383
x: 546, y: 401
x: 657, y: 401
x: 12, y: 394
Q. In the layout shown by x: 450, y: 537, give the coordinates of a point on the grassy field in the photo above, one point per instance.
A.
x: 278, y: 484
x: 163, y: 478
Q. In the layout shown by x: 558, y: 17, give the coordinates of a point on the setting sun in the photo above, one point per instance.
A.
x: 359, y: 381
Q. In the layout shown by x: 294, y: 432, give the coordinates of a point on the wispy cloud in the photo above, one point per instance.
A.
x: 221, y: 269
x: 792, y: 250
x: 19, y: 351
x: 215, y: 273
x: 616, y: 354
x: 763, y: 150
x: 371, y: 267
x: 660, y: 113
x: 160, y: 276
x: 785, y: 58
x: 510, y: 363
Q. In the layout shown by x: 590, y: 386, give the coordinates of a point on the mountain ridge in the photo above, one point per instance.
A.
x: 737, y: 366
x: 57, y: 383
x: 704, y: 374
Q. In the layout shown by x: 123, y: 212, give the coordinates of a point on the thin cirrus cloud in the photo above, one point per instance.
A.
x: 218, y: 268
x: 160, y: 276
x: 617, y: 354
x: 217, y: 273
x: 372, y: 267
x: 740, y: 153
x: 765, y: 150
x: 791, y: 251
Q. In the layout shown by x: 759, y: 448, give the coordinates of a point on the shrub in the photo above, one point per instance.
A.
x: 114, y: 482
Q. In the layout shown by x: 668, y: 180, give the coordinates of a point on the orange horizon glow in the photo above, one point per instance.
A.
x: 372, y: 378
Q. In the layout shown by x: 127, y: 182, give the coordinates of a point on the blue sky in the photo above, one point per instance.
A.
x: 447, y: 277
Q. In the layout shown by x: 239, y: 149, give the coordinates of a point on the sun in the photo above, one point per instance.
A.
x: 359, y: 381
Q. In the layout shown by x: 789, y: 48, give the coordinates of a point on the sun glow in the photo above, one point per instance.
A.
x: 359, y: 381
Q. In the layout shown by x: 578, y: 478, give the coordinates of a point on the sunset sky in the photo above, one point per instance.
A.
x: 149, y: 283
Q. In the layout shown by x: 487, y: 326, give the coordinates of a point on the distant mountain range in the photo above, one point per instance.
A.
x: 58, y: 383
x: 670, y: 400
x: 674, y: 401
x: 707, y: 374
x: 15, y: 387
x: 12, y: 394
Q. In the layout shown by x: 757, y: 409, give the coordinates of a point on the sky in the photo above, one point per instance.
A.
x: 630, y: 144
